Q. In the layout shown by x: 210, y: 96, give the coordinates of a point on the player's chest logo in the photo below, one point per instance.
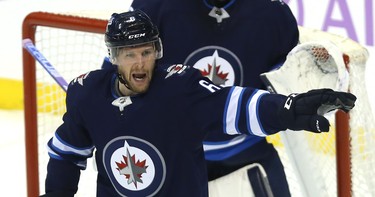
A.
x: 219, y: 64
x: 134, y: 166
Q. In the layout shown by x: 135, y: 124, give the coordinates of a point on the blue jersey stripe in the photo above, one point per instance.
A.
x: 65, y: 148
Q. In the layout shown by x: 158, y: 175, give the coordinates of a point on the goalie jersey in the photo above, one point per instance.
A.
x: 257, y: 35
x: 151, y: 144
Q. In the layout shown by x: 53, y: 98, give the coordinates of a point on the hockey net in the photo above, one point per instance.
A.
x: 75, y: 44
x: 339, y: 162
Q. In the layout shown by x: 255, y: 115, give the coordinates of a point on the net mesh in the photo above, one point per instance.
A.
x: 72, y: 53
x: 320, y: 150
x: 362, y: 128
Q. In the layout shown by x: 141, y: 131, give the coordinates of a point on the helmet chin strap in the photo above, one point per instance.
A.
x: 122, y: 80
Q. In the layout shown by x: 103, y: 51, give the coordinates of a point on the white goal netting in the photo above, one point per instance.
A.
x: 327, y: 60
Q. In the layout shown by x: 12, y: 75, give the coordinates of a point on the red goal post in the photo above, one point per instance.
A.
x: 44, y: 100
x: 29, y: 27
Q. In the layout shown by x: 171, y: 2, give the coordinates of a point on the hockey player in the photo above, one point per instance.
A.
x: 232, y: 42
x: 146, y: 122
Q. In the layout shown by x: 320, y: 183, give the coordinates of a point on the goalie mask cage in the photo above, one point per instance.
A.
x: 75, y: 45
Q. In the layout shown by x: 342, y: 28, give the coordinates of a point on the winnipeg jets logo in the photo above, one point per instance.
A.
x: 220, y: 65
x: 213, y: 71
x: 122, y: 102
x: 131, y: 169
x: 80, y: 78
x: 134, y: 166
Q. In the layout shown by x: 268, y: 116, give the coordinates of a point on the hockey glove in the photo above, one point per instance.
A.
x: 305, y: 111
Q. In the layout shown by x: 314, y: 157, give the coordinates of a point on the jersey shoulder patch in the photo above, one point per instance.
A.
x: 80, y: 79
x: 176, y: 69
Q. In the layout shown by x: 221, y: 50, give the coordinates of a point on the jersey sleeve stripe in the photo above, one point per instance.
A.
x: 254, y: 125
x: 208, y: 146
x: 65, y: 148
x: 53, y: 154
x: 232, y: 111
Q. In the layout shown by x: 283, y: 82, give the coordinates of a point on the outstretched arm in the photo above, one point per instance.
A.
x: 244, y: 110
x: 305, y: 111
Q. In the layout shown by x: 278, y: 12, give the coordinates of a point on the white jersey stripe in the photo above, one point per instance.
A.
x: 53, y: 154
x: 254, y: 125
x: 237, y: 140
x: 56, y: 142
x: 232, y: 111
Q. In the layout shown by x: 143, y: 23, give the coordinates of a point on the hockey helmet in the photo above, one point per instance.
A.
x: 131, y: 29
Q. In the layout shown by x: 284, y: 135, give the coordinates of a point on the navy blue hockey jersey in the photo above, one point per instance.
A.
x: 256, y: 37
x: 151, y: 144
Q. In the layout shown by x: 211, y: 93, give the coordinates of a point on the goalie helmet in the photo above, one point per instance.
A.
x: 131, y: 29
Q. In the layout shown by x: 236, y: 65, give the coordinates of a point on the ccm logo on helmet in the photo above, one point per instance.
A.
x: 137, y: 35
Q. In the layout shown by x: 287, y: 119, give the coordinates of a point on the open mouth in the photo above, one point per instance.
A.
x: 139, y: 77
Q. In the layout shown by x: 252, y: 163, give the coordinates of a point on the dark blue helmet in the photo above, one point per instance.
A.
x: 131, y: 29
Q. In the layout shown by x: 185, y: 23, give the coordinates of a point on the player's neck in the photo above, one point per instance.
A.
x: 123, y: 90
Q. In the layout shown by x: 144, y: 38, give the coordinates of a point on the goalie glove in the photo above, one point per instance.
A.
x: 305, y: 111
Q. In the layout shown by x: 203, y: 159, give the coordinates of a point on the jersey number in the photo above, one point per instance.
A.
x: 209, y: 86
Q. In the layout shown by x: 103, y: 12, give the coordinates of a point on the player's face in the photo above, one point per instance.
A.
x: 136, y: 65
